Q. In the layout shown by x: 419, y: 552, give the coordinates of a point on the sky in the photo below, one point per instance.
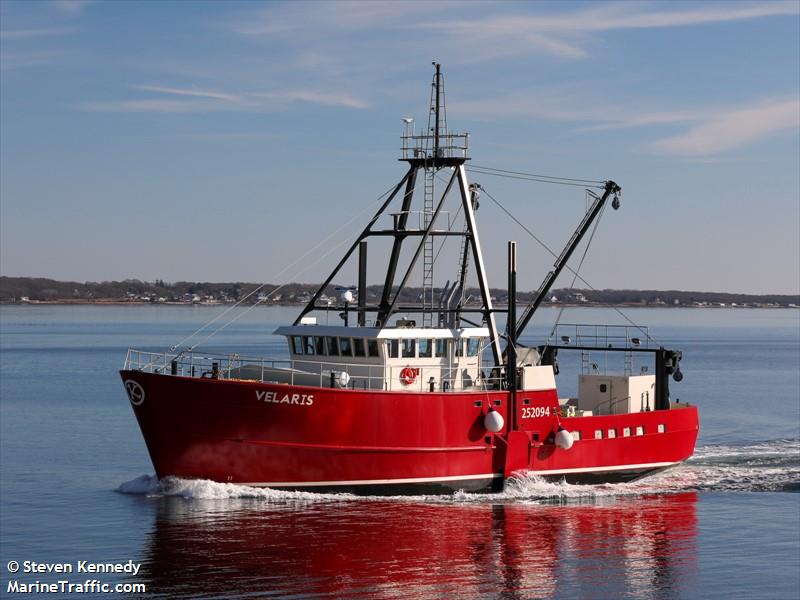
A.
x: 225, y: 141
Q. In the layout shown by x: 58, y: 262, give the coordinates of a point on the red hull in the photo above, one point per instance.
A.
x: 298, y: 437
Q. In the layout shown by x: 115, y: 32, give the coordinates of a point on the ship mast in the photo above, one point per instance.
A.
x: 432, y: 151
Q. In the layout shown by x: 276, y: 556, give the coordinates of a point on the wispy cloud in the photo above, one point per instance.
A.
x: 484, y: 31
x: 563, y: 33
x: 19, y: 60
x: 629, y: 15
x: 734, y: 129
x: 708, y: 130
x: 575, y: 102
x: 73, y: 7
x: 335, y: 18
x: 192, y: 92
x: 315, y: 97
x: 198, y: 100
x: 19, y: 34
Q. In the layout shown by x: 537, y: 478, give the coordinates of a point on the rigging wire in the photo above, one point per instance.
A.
x: 525, y: 178
x: 535, y: 177
x: 450, y: 225
x: 570, y: 269
x: 577, y: 270
x: 260, y: 287
x: 260, y: 301
x: 562, y: 308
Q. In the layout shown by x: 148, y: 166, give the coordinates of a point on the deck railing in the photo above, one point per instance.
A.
x: 374, y: 376
x: 420, y: 146
x: 607, y: 336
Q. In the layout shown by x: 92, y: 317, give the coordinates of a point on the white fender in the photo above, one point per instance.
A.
x: 493, y: 421
x: 564, y: 438
x: 343, y: 378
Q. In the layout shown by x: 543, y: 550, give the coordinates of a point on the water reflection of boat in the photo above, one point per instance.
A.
x: 639, y: 547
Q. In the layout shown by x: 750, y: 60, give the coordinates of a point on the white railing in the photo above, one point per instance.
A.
x: 373, y: 376
x: 420, y: 146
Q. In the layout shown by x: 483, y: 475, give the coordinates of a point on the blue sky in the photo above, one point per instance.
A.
x: 220, y: 141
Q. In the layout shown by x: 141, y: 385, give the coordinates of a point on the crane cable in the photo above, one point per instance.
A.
x: 593, y: 183
x: 570, y: 269
x: 577, y: 270
x: 260, y: 287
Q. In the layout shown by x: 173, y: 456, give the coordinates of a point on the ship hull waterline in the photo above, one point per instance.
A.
x: 372, y: 442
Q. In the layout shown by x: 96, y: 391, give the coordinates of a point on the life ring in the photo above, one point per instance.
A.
x: 408, y: 375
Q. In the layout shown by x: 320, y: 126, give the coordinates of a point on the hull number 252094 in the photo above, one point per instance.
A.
x: 532, y: 412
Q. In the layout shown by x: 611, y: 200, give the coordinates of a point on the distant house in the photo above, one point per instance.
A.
x: 578, y: 297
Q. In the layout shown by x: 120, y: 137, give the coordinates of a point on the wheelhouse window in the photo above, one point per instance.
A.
x: 473, y: 346
x: 459, y: 347
x: 409, y: 348
x: 308, y: 345
x: 297, y: 344
x: 345, y: 347
x: 333, y: 346
x: 425, y: 348
x: 441, y: 348
x: 394, y: 349
x: 372, y: 348
x: 319, y: 346
x: 358, y: 347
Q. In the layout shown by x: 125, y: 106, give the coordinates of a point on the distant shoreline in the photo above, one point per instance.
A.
x: 133, y: 292
x: 132, y: 303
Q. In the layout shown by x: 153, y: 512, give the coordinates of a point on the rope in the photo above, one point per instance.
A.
x: 260, y: 287
x: 580, y: 264
x: 570, y: 269
x: 540, y: 179
x: 536, y: 175
x: 251, y: 307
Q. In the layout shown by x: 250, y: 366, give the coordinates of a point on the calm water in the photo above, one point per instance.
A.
x: 76, y: 483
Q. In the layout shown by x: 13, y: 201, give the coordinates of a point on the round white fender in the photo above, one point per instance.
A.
x: 343, y: 378
x: 564, y: 438
x: 493, y: 421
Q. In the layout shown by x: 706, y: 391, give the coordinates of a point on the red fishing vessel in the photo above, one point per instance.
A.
x: 387, y: 403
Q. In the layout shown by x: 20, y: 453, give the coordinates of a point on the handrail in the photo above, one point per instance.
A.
x: 610, y: 336
x: 364, y: 375
x: 612, y: 402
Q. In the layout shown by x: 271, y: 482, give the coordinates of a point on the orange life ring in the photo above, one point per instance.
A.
x: 408, y: 375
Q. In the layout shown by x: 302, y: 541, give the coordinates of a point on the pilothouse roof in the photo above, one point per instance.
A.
x: 389, y: 333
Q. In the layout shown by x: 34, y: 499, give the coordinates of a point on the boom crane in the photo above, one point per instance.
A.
x: 611, y: 188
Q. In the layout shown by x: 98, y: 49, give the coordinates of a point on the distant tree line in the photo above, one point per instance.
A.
x: 21, y: 289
